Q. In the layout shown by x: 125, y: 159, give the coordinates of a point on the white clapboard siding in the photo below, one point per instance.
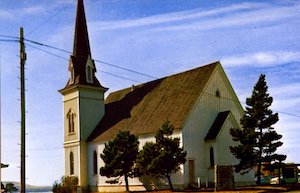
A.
x: 201, y: 119
x: 98, y: 180
x: 192, y: 136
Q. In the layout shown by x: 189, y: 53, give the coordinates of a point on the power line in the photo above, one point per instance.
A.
x: 96, y: 60
x: 7, y: 36
x: 48, y: 46
x: 46, y: 52
x: 44, y: 149
x: 111, y: 74
x: 290, y: 114
x: 118, y: 76
x: 126, y: 69
x: 48, y: 19
x: 31, y: 150
x: 6, y: 40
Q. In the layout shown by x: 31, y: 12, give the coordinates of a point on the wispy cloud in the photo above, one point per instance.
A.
x: 255, y: 16
x: 198, y: 19
x: 178, y: 16
x: 4, y: 14
x: 286, y: 96
x: 286, y: 90
x: 31, y: 10
x: 262, y: 59
x: 10, y: 14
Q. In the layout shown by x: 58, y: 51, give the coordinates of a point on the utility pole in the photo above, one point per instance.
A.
x: 0, y: 128
x: 22, y: 78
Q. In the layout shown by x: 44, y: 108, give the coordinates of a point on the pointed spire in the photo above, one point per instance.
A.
x: 81, y: 48
x: 82, y: 67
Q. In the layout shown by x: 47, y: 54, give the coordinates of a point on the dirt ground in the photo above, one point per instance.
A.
x: 254, y: 189
x: 251, y: 189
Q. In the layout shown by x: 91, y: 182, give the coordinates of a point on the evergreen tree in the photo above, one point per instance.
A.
x: 257, y: 139
x: 164, y: 157
x: 67, y: 184
x: 10, y: 187
x: 119, y: 156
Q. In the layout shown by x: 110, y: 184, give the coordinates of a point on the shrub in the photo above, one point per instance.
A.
x: 68, y: 184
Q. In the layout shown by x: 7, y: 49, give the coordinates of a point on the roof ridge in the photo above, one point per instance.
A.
x: 196, y: 68
x: 169, y: 76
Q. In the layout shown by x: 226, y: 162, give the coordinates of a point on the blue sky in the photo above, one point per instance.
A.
x: 155, y: 37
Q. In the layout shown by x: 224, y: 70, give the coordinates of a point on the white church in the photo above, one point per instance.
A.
x: 200, y: 103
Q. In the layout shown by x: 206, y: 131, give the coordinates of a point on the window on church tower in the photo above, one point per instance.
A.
x: 71, y: 163
x: 95, y: 163
x: 71, y: 121
x: 89, y: 74
x: 72, y: 76
x: 211, y: 156
x: 89, y: 70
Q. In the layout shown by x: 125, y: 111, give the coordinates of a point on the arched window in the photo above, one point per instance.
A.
x: 95, y: 160
x: 71, y: 69
x: 89, y: 74
x: 71, y: 117
x: 218, y: 94
x: 211, y: 156
x: 72, y: 74
x: 89, y: 69
x: 71, y: 163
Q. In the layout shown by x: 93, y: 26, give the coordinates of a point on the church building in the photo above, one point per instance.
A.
x: 200, y: 103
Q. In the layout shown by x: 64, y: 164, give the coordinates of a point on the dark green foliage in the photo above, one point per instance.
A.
x: 66, y: 185
x: 257, y: 139
x: 2, y: 186
x: 119, y: 156
x: 164, y: 157
x: 10, y: 187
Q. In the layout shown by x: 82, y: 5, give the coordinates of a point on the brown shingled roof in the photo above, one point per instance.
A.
x: 143, y: 109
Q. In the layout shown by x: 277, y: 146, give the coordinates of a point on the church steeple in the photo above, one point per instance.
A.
x: 81, y: 48
x: 83, y: 103
x: 81, y: 66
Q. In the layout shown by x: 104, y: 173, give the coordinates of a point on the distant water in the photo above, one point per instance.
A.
x: 38, y: 192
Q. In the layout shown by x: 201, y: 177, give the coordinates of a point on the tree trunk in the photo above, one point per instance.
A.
x: 279, y: 173
x: 259, y: 173
x: 126, y: 182
x: 170, y: 183
x: 260, y: 155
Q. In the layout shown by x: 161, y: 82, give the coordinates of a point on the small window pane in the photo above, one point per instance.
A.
x: 89, y: 73
x: 71, y: 121
x: 211, y: 155
x: 71, y: 163
x: 95, y: 163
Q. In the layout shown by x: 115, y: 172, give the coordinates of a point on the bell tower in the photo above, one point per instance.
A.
x: 83, y: 102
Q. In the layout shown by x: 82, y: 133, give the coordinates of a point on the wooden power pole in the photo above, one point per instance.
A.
x: 22, y: 78
x: 0, y: 128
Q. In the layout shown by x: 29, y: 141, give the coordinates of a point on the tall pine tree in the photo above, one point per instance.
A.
x: 164, y: 157
x: 119, y: 156
x: 257, y: 139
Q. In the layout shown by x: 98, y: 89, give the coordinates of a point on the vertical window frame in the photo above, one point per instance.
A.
x: 72, y: 73
x: 211, y: 157
x: 71, y: 121
x: 89, y: 74
x: 71, y: 159
x: 95, y: 163
x: 89, y: 70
